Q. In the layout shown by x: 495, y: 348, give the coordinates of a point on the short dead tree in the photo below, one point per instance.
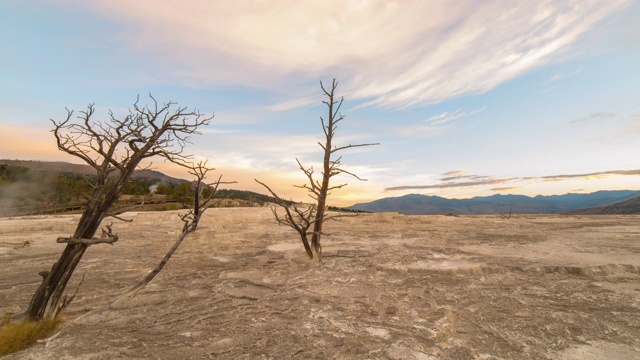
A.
x: 301, y: 217
x: 114, y: 148
x: 202, y: 197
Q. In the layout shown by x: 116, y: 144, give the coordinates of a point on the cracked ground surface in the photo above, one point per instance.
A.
x: 392, y: 287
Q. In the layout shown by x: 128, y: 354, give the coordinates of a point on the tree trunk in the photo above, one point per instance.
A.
x: 324, y: 189
x: 45, y: 301
x: 317, y: 225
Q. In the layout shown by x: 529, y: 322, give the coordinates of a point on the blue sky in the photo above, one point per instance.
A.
x: 467, y: 98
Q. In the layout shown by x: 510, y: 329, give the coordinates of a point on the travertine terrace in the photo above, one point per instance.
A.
x: 392, y: 287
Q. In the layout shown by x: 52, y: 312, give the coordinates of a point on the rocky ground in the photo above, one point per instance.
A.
x: 392, y: 287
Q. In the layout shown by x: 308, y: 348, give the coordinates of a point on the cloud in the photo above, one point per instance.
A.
x: 507, y: 188
x: 455, y: 172
x: 263, y: 152
x: 448, y: 116
x: 481, y: 180
x: 270, y: 151
x: 459, y: 177
x: 560, y: 76
x: 453, y: 184
x: 492, y: 43
x: 587, y: 176
x: 294, y: 104
x: 436, y: 124
x: 388, y: 53
x: 600, y: 116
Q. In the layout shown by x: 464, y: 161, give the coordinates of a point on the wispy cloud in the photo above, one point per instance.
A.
x: 271, y: 152
x: 482, y: 180
x: 448, y: 116
x: 507, y: 188
x: 599, y: 116
x: 588, y: 176
x: 294, y: 104
x: 388, y: 53
x: 433, y: 125
x: 460, y: 177
x: 560, y: 76
x: 494, y: 42
x: 446, y: 185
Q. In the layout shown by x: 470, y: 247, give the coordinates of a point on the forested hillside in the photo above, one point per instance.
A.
x: 48, y: 186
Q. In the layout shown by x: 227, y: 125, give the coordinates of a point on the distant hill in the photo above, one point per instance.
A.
x: 36, y: 186
x: 415, y: 204
x: 61, y: 166
x: 53, y: 166
x: 631, y: 206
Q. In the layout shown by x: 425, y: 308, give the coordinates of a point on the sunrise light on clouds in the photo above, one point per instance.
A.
x: 530, y: 97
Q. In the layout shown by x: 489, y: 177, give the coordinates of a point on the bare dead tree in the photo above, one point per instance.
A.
x: 114, y: 148
x: 203, y: 195
x: 297, y: 216
x: 302, y: 218
x: 505, y: 216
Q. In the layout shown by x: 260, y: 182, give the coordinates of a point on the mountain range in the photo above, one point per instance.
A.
x: 597, y: 202
x: 631, y: 206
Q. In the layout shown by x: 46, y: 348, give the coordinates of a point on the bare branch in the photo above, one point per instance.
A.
x: 342, y: 171
x: 92, y: 241
x: 119, y: 218
x: 300, y: 222
x: 66, y: 301
x: 336, y: 149
x: 108, y: 237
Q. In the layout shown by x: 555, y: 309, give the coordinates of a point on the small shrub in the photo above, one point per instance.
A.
x: 6, y: 319
x: 19, y: 335
x: 169, y: 207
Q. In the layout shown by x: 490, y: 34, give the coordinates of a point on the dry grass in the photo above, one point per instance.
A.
x: 15, y: 336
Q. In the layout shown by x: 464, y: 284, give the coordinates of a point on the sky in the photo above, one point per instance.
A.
x: 466, y: 98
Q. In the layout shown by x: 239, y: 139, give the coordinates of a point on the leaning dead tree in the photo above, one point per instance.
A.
x: 114, y: 148
x: 202, y: 197
x: 301, y: 217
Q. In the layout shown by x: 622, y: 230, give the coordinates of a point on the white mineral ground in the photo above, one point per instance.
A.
x: 393, y: 287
